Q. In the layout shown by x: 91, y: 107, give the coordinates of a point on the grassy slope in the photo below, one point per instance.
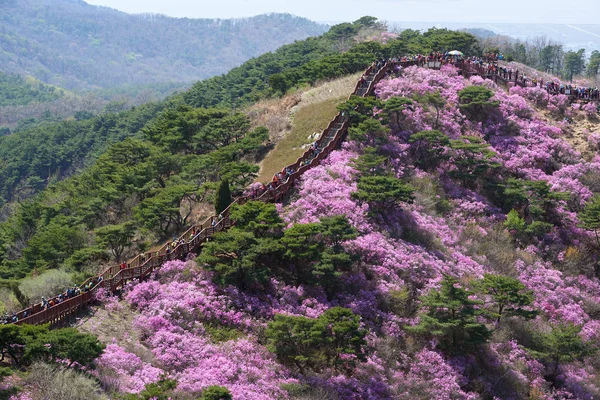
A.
x: 312, y: 114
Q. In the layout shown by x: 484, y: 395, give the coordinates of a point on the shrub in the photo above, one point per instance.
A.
x: 316, y: 343
x: 52, y: 382
x: 216, y: 393
x: 47, y: 285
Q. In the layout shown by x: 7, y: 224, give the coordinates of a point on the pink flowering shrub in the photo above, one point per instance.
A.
x: 430, y: 376
x: 133, y: 374
x: 594, y: 141
x: 590, y: 109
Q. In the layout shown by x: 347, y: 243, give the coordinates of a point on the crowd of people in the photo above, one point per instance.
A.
x: 487, y: 66
x: 493, y: 57
x: 45, y: 304
x: 10, y: 318
x: 584, y: 93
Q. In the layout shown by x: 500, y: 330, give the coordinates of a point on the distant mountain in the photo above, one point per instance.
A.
x: 480, y: 32
x: 74, y: 45
x: 572, y: 36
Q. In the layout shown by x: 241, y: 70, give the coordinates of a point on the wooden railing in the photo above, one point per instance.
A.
x: 141, y: 267
x: 514, y: 78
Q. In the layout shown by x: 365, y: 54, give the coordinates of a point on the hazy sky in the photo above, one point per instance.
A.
x: 533, y: 11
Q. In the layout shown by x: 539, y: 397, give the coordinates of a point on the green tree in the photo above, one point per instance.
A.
x: 303, y: 248
x: 27, y: 343
x: 249, y: 253
x: 371, y: 163
x: 393, y: 108
x: 240, y: 258
x: 162, y: 212
x: 262, y: 219
x: 64, y: 344
x: 370, y: 132
x: 451, y: 316
x: 590, y: 217
x: 315, y: 251
x: 439, y: 39
x: 550, y: 57
x: 382, y: 192
x: 574, y: 64
x: 359, y: 109
x: 215, y: 393
x: 316, y: 343
x: 562, y: 344
x: 476, y: 103
x: 343, y: 32
x: 507, y: 296
x: 429, y: 149
x: 368, y: 22
x: 335, y: 260
x: 11, y: 342
x: 593, y: 68
x: 472, y: 158
x: 116, y: 237
x: 437, y: 101
x: 223, y: 198
x: 278, y: 83
x: 336, y: 230
x: 53, y: 243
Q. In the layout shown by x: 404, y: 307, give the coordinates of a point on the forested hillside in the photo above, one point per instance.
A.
x: 16, y: 90
x: 156, y: 157
x: 448, y: 250
x: 73, y: 45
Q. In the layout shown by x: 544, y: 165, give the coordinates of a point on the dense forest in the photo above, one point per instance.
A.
x: 16, y: 90
x: 73, y: 45
x: 26, y: 102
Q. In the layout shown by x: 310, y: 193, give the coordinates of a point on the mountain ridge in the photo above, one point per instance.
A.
x: 76, y: 45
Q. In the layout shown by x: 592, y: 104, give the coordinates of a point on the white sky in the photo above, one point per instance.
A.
x: 515, y: 11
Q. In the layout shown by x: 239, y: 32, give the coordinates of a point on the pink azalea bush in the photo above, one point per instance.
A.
x: 133, y: 374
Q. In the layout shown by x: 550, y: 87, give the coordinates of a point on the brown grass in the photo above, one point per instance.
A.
x: 311, y: 114
x: 576, y: 134
x: 115, y: 324
x: 274, y: 114
x: 308, y: 120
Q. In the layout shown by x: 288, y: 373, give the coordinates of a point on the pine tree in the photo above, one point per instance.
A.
x: 508, y: 296
x: 223, y: 199
x: 562, y: 344
x: 451, y: 318
x: 590, y: 217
